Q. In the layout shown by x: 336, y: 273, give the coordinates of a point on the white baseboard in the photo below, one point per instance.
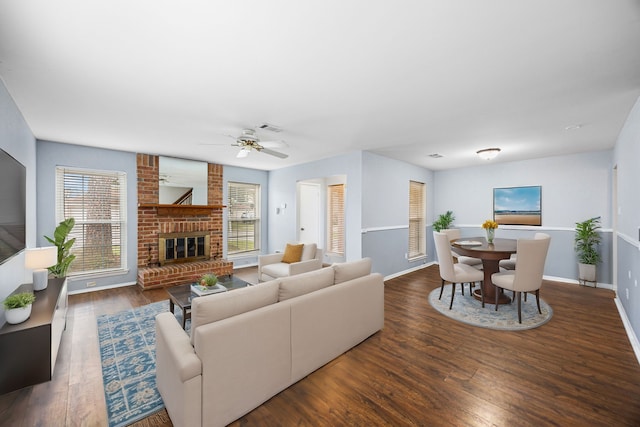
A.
x: 101, y: 288
x: 627, y: 326
x: 402, y: 273
x: 575, y: 282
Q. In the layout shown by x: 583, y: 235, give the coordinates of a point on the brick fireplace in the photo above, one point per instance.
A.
x: 159, y: 221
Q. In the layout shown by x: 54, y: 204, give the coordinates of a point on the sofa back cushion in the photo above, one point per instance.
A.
x: 309, y: 251
x: 300, y: 284
x: 212, y: 308
x: 346, y: 271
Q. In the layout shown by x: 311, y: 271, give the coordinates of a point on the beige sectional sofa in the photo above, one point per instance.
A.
x: 249, y: 344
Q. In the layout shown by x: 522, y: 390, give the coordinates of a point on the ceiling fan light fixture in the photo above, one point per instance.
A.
x: 488, y: 153
x: 244, y: 152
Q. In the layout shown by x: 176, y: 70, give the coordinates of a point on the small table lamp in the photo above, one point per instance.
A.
x: 38, y: 259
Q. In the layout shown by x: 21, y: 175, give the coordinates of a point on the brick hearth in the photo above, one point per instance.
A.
x: 151, y: 224
x: 178, y: 274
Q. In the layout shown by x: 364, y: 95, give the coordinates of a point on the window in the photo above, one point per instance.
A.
x: 335, y: 220
x: 417, y: 238
x: 97, y: 201
x: 243, y: 228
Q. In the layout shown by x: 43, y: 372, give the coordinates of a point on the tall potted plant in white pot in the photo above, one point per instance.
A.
x: 587, y: 240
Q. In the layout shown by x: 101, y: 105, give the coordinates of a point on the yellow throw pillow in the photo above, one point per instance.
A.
x: 292, y: 253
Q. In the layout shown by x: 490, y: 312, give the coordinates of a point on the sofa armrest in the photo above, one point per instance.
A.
x: 178, y: 372
x: 175, y: 345
x: 305, y: 266
x: 268, y: 259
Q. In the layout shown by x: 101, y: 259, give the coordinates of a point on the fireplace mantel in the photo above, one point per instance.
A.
x: 181, y: 209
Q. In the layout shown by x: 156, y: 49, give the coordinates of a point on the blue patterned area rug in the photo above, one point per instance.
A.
x: 469, y: 310
x: 128, y: 351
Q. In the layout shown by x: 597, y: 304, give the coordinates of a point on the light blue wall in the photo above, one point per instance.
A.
x: 250, y: 176
x: 627, y: 156
x: 385, y: 212
x: 52, y: 154
x: 17, y: 140
x: 574, y: 188
x: 282, y: 190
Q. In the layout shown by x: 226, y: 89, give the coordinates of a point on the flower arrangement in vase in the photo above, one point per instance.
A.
x: 490, y: 227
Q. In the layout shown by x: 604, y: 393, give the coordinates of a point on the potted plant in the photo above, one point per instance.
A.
x: 209, y: 280
x: 444, y: 221
x: 18, y: 307
x: 65, y: 258
x: 586, y: 242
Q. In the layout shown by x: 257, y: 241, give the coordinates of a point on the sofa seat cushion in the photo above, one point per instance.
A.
x: 293, y: 286
x: 278, y: 269
x: 346, y: 271
x: 211, y: 308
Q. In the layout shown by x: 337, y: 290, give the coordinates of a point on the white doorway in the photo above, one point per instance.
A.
x: 308, y: 225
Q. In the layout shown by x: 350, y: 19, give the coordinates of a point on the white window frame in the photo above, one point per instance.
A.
x: 417, y: 245
x: 237, y: 217
x: 117, y: 217
x: 335, y: 222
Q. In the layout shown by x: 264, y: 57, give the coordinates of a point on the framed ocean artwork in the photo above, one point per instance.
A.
x: 518, y: 205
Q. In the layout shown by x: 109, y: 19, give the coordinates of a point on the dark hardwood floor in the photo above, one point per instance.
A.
x: 421, y: 369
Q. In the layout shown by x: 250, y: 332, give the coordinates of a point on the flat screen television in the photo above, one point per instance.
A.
x: 13, y: 186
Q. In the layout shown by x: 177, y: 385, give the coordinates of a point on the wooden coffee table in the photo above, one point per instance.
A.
x: 182, y: 296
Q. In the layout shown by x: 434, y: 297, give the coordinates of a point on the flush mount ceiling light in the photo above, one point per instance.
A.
x: 488, y: 153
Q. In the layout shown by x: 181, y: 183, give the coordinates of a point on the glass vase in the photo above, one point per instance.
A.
x: 491, y: 233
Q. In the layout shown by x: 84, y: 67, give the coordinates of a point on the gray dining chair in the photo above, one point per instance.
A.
x: 454, y: 272
x: 527, y: 277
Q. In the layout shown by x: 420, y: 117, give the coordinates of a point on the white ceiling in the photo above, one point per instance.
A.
x: 404, y: 79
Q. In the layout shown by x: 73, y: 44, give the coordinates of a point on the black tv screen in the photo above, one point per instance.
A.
x: 13, y: 185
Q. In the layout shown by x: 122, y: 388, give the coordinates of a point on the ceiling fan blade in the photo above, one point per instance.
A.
x: 273, y: 144
x: 274, y: 153
x: 243, y: 153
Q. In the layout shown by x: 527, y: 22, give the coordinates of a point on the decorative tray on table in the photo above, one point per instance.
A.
x: 207, y: 290
x: 468, y: 242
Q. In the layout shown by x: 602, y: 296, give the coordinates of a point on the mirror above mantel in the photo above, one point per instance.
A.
x: 182, y: 182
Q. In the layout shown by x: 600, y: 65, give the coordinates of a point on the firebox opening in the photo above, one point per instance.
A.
x: 183, y: 247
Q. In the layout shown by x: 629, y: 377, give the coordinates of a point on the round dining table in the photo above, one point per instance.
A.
x: 490, y: 254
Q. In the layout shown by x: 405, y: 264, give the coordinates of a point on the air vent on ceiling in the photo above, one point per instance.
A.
x: 268, y: 126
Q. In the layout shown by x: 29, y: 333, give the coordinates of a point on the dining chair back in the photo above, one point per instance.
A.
x: 527, y: 277
x: 454, y: 234
x: 450, y: 272
x: 510, y: 264
x: 532, y: 254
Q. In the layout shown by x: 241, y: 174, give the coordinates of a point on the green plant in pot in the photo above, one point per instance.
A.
x: 209, y: 280
x: 65, y: 257
x: 18, y: 307
x: 587, y: 239
x: 444, y: 221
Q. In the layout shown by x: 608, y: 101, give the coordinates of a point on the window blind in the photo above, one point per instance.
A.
x: 417, y: 240
x: 335, y: 197
x: 243, y: 225
x: 97, y: 202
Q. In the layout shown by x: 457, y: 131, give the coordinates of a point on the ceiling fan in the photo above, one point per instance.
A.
x: 248, y: 140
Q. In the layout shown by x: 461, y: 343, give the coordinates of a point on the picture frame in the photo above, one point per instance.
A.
x: 518, y: 205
